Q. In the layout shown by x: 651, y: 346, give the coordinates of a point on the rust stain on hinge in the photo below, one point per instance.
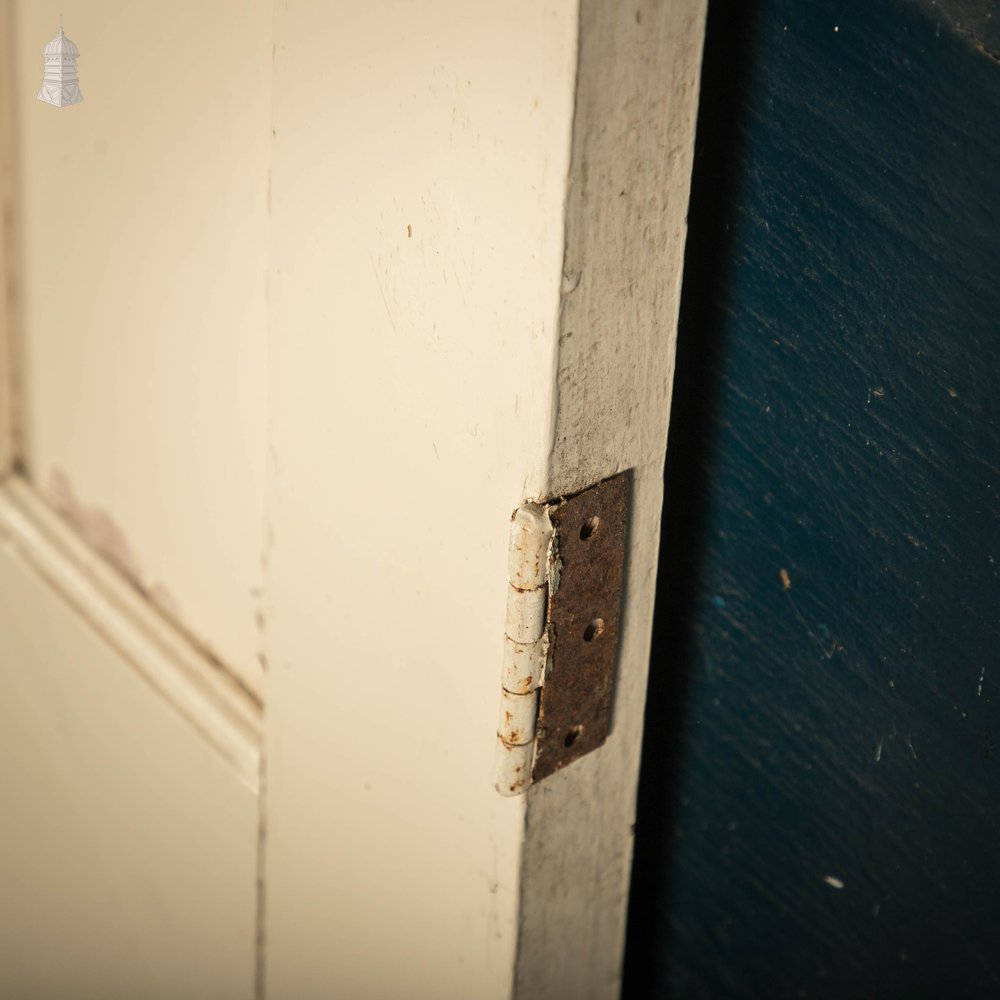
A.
x: 585, y: 608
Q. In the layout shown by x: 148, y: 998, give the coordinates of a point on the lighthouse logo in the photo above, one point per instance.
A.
x: 61, y: 85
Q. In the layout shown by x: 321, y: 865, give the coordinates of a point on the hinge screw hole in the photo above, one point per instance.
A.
x: 593, y: 630
x: 589, y: 527
x: 571, y: 736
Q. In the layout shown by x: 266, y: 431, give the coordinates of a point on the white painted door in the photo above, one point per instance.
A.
x: 131, y: 504
x: 303, y: 300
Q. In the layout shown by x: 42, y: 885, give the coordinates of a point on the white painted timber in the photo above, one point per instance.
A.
x: 142, y: 232
x: 381, y: 316
x: 420, y: 162
x: 8, y: 251
x: 127, y: 846
x: 222, y: 712
x: 633, y: 137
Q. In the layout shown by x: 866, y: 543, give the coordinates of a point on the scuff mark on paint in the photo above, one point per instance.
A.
x: 162, y: 597
x: 100, y: 531
x: 97, y: 527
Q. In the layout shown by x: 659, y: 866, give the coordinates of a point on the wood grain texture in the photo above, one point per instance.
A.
x: 636, y: 101
x: 821, y: 818
x: 977, y: 21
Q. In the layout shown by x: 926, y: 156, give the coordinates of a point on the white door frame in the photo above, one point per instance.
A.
x: 626, y: 220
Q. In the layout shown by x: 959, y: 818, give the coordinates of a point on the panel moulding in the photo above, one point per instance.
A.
x: 224, y: 713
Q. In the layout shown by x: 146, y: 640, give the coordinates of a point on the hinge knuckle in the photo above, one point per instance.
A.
x: 517, y: 717
x: 530, y: 533
x: 514, y: 768
x: 524, y: 664
x: 525, y: 645
x: 526, y: 614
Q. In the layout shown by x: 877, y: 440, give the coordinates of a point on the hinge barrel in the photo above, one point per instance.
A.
x: 525, y: 645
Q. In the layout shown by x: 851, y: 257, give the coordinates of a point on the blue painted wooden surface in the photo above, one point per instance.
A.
x: 820, y: 797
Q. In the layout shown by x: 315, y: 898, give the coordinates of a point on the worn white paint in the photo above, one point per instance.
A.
x: 424, y: 378
x: 420, y: 159
x: 633, y: 140
x: 530, y: 537
x: 526, y: 613
x: 222, y: 712
x: 518, y: 713
x: 525, y: 645
x: 142, y: 218
x: 127, y: 847
x: 523, y: 664
x: 129, y: 756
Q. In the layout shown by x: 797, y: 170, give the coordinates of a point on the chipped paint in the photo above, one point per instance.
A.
x: 526, y: 645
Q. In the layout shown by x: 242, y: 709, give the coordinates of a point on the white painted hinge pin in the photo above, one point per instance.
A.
x: 526, y: 645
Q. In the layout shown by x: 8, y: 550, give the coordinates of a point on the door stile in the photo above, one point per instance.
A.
x: 633, y: 142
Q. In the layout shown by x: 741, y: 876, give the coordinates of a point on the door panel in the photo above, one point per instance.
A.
x: 141, y: 216
x: 131, y: 503
x: 129, y: 847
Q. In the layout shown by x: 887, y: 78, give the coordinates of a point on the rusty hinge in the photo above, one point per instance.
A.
x: 564, y: 599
